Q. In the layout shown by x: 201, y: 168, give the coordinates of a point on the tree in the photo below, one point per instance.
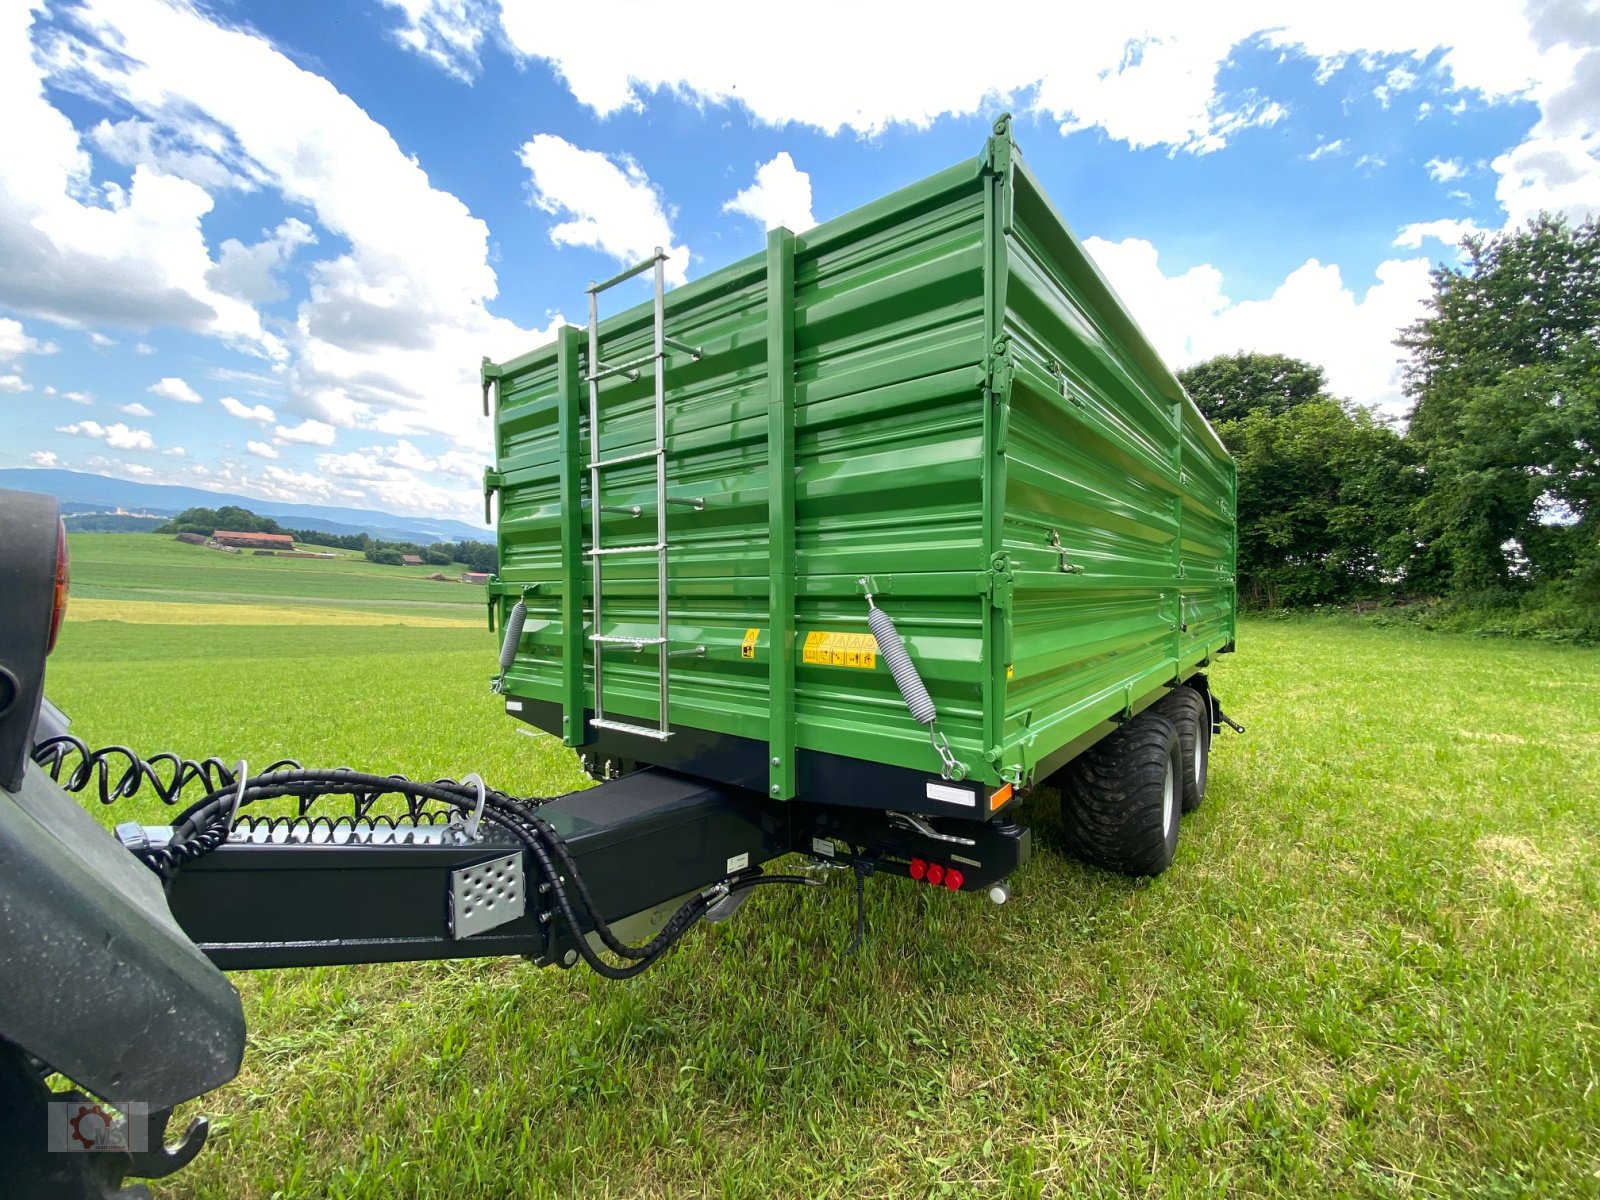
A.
x: 1505, y: 374
x: 208, y: 520
x: 389, y: 558
x: 1325, y: 493
x: 1232, y: 386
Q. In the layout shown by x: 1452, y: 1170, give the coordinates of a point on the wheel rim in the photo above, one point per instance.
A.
x: 1168, y: 808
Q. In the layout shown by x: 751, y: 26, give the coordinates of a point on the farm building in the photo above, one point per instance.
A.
x: 411, y: 560
x: 254, y: 541
x: 474, y: 577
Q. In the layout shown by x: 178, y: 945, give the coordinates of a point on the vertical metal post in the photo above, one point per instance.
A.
x: 569, y: 402
x: 594, y: 488
x: 780, y: 513
x: 661, y: 479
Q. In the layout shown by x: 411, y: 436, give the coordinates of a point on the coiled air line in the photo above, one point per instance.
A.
x: 912, y: 690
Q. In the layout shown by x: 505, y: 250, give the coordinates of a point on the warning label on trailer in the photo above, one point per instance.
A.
x: 841, y: 650
x: 747, y: 648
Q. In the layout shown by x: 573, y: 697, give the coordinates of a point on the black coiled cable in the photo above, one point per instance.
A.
x: 100, y: 766
x: 206, y: 824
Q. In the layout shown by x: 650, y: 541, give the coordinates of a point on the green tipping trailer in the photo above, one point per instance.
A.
x: 935, y: 401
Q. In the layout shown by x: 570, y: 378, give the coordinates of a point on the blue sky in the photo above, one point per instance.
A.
x: 262, y: 247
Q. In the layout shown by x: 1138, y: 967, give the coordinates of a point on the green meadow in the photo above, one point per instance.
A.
x: 1373, y: 970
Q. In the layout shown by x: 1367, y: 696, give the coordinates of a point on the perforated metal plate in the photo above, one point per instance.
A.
x: 487, y: 895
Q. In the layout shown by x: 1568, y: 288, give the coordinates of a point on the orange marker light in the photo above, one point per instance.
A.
x: 1001, y: 796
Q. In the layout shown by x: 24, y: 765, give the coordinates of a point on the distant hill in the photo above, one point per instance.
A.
x: 82, y: 491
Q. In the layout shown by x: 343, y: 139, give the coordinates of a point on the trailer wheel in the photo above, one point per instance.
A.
x: 1187, y: 709
x: 1121, y: 799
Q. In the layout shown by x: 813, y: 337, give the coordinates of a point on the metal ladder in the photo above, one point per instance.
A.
x: 598, y: 370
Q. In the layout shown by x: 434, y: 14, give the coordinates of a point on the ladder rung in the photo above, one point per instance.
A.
x: 624, y: 458
x: 636, y: 269
x: 613, y: 640
x: 659, y: 735
x: 653, y: 547
x: 605, y: 370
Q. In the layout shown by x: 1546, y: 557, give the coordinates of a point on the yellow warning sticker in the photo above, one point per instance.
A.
x: 747, y: 648
x: 841, y: 650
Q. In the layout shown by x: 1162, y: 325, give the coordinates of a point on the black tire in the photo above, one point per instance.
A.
x: 1190, y: 712
x: 1121, y: 798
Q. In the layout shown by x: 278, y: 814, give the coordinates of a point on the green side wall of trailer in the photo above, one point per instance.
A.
x: 937, y: 392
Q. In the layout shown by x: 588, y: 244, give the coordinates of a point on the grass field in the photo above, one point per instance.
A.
x: 1373, y: 970
x: 145, y: 566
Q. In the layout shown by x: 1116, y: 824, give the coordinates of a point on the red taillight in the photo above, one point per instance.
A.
x: 935, y: 874
x: 918, y: 868
x: 953, y: 879
x: 63, y: 582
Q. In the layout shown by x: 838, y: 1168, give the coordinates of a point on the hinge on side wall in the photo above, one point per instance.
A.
x: 493, y: 481
x: 997, y: 151
x: 999, y: 370
x: 488, y: 373
x: 996, y: 582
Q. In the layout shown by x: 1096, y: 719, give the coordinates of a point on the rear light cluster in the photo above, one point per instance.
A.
x: 937, y: 874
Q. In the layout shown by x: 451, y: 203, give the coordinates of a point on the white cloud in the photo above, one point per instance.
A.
x: 1445, y: 170
x: 448, y: 32
x: 175, y: 452
x: 1313, y: 314
x: 391, y: 326
x: 251, y: 272
x: 15, y: 341
x: 780, y: 196
x: 100, y: 341
x: 78, y: 397
x: 135, y: 410
x: 1327, y: 149
x: 610, y: 206
x: 1449, y: 230
x: 196, y: 151
x: 173, y: 388
x: 309, y: 432
x: 1146, y: 74
x: 1555, y: 174
x: 44, y: 458
x: 14, y: 384
x: 142, y: 348
x: 78, y: 251
x: 262, y: 449
x: 118, y: 436
x: 259, y: 413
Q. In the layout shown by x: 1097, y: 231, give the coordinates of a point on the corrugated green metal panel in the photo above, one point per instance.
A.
x: 971, y: 411
x: 888, y: 346
x: 1118, y: 506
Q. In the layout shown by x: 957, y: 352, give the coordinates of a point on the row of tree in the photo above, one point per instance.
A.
x: 1491, y: 492
x: 477, y: 556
